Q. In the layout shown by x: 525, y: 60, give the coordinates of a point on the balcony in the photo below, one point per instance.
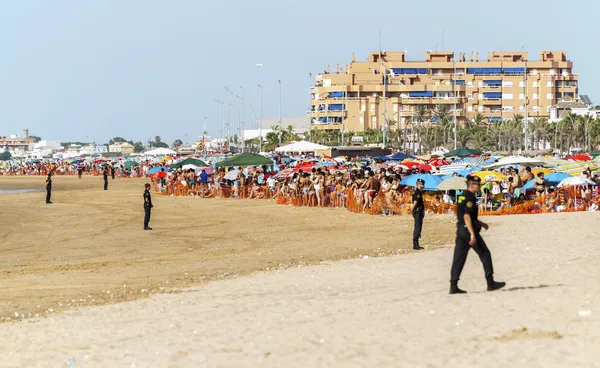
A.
x: 329, y: 126
x: 324, y: 113
x: 490, y: 101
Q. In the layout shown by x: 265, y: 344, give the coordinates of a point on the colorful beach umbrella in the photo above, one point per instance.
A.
x: 431, y: 181
x: 489, y: 176
x: 453, y: 183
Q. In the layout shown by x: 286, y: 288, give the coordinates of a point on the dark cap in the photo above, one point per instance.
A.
x: 420, y: 181
x: 473, y: 178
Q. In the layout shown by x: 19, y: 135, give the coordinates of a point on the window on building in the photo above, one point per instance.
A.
x: 373, y: 121
x: 372, y: 107
x: 549, y: 84
x: 469, y: 108
x: 470, y: 96
x: 552, y: 71
x: 448, y: 83
x: 507, y: 96
x: 363, y: 107
x: 507, y: 84
x: 521, y: 96
x: 536, y: 96
x: 549, y: 96
x: 521, y: 108
x: 480, y: 84
x: 395, y: 108
x: 362, y: 120
x: 534, y: 71
x: 480, y: 108
x: 507, y: 108
x: 437, y: 83
x: 535, y: 84
x: 470, y: 83
x: 521, y: 83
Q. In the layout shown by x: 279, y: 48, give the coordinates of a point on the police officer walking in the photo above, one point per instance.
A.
x: 467, y: 237
x: 105, y: 174
x: 418, y: 211
x: 147, y: 206
x: 49, y: 187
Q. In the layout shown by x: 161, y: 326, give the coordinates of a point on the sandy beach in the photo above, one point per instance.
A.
x: 370, y: 311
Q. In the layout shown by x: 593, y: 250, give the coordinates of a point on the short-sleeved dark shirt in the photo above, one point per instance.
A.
x: 467, y: 204
x: 418, y: 197
x: 147, y: 199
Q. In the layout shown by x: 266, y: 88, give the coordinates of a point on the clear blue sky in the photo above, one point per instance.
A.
x: 95, y: 69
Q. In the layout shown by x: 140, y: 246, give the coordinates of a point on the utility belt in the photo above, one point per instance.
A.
x: 419, y: 210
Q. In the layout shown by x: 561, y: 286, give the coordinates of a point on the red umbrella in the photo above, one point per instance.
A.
x: 580, y: 157
x: 410, y: 165
x: 438, y: 162
x: 426, y: 167
x: 159, y: 175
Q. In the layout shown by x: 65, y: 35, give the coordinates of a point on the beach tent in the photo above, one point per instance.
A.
x: 188, y: 161
x: 431, y: 181
x: 302, y: 146
x: 463, y: 152
x: 245, y: 159
x: 453, y: 183
x: 160, y: 152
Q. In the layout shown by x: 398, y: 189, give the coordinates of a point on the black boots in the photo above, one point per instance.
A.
x: 416, y: 245
x: 455, y: 290
x: 494, y: 285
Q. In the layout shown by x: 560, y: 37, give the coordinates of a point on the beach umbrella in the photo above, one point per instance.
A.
x: 232, y: 175
x: 426, y: 167
x: 488, y: 176
x: 580, y: 157
x: 551, y: 179
x: 453, y: 183
x: 463, y: 152
x: 209, y: 170
x: 189, y: 161
x: 542, y: 170
x: 129, y: 164
x: 431, y: 181
x: 245, y: 159
x: 575, y: 180
x: 437, y: 162
x: 154, y: 170
x: 159, y: 175
x: 399, y: 156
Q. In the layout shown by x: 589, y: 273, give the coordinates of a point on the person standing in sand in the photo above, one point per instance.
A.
x: 147, y: 206
x: 467, y: 237
x: 49, y: 187
x: 418, y: 211
x: 105, y: 175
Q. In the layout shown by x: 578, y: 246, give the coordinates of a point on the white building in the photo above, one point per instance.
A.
x: 299, y: 125
x: 560, y: 110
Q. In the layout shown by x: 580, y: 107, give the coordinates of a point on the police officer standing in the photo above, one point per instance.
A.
x: 147, y: 206
x: 105, y: 174
x: 49, y: 187
x: 418, y: 211
x: 467, y: 237
x: 112, y: 172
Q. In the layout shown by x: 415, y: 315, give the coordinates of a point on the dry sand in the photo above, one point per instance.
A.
x: 88, y: 247
x: 374, y: 312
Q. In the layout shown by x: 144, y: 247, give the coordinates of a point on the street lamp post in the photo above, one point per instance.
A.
x: 280, y: 132
x: 384, y: 104
x: 243, y: 122
x: 261, y: 122
x: 454, y: 96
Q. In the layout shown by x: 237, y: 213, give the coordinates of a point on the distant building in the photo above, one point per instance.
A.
x: 124, y: 148
x: 388, y: 88
x: 562, y: 109
x: 299, y: 124
x: 14, y: 143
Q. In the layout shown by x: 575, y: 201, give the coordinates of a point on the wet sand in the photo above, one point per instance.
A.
x: 88, y: 248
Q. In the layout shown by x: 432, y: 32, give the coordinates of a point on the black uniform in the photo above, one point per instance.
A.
x: 48, y: 189
x: 467, y: 204
x: 147, y: 208
x: 418, y: 214
x: 105, y: 174
x: 79, y: 171
x: 112, y: 172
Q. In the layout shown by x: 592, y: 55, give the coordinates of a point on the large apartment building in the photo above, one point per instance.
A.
x: 505, y: 84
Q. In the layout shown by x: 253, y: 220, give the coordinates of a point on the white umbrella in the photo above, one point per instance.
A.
x: 575, y: 180
x: 190, y: 166
x: 232, y: 174
x: 518, y: 160
x: 453, y: 183
x: 160, y: 152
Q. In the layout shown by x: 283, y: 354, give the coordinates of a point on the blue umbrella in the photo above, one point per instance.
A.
x: 551, y: 179
x: 431, y: 181
x: 154, y: 170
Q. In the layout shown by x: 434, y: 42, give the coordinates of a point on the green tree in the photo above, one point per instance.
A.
x: 138, y: 147
x: 177, y: 143
x: 35, y: 138
x: 5, y: 156
x: 117, y: 140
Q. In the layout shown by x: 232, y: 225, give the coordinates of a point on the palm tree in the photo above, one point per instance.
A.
x: 462, y: 137
x: 478, y: 120
x: 481, y: 140
x: 586, y: 122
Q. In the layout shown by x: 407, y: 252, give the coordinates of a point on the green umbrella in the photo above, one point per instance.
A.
x: 595, y: 154
x: 245, y: 159
x: 463, y: 152
x: 129, y: 164
x: 189, y: 161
